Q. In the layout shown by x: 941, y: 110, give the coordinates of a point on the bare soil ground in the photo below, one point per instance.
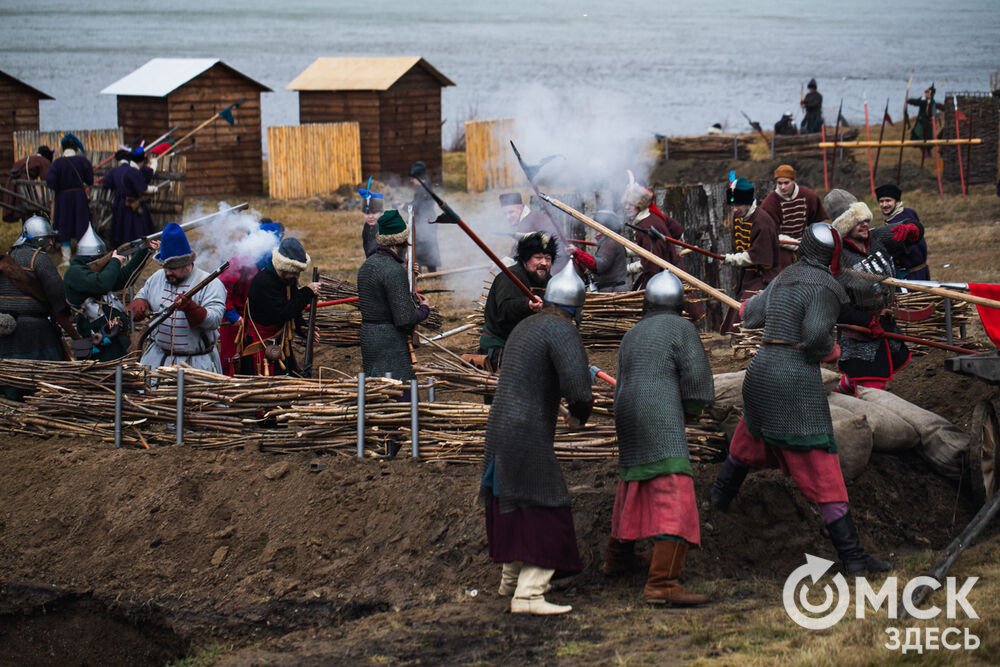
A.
x: 240, y: 557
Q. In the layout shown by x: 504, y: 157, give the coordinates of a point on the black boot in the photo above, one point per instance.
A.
x: 844, y: 536
x: 727, y: 484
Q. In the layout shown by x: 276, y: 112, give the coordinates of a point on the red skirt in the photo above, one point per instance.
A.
x: 663, y: 505
x: 816, y: 472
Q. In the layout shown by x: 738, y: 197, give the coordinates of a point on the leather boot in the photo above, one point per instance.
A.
x: 727, y: 484
x: 508, y: 578
x: 844, y: 536
x: 621, y: 558
x: 479, y: 361
x: 529, y: 596
x: 662, y: 586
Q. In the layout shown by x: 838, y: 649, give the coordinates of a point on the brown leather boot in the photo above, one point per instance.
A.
x: 662, y: 586
x: 479, y: 361
x: 621, y: 558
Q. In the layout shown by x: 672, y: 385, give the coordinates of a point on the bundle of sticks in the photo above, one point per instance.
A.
x: 274, y: 414
x: 923, y: 315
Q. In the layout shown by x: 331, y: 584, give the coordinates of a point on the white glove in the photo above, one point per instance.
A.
x: 151, y: 190
x: 635, y: 267
x: 738, y: 259
x: 153, y: 163
x: 788, y: 242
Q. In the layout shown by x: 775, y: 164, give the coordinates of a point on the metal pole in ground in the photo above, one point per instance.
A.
x: 430, y: 390
x: 361, y: 415
x: 947, y: 321
x: 414, y: 420
x: 118, y: 405
x: 180, y: 406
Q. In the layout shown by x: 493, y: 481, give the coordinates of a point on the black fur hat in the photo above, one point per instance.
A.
x: 533, y: 243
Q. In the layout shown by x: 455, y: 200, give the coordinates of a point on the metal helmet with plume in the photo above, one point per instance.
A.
x: 566, y: 288
x: 664, y: 290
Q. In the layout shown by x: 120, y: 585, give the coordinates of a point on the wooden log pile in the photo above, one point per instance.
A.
x: 276, y: 414
x: 806, y: 145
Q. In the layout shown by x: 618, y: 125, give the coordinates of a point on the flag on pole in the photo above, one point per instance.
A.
x: 227, y: 115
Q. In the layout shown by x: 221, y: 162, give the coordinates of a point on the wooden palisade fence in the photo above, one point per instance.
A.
x: 489, y: 160
x: 108, y: 140
x: 312, y: 159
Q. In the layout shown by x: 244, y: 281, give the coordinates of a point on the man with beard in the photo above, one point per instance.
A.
x: 523, y: 220
x: 68, y: 178
x: 529, y: 524
x: 32, y: 300
x: 786, y: 420
x: 664, y: 380
x: 273, y: 312
x: 755, y: 247
x: 101, y: 315
x: 506, y: 304
x: 792, y: 206
x: 388, y: 315
x: 31, y: 168
x: 425, y: 251
x: 867, y: 361
x: 191, y: 331
x: 909, y: 252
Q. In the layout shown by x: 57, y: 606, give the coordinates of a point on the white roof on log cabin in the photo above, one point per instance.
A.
x: 360, y: 73
x: 161, y: 76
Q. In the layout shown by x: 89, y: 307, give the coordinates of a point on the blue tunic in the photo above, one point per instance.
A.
x: 67, y: 178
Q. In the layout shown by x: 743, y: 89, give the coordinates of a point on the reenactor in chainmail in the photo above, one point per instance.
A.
x: 371, y: 209
x: 388, y: 315
x: 664, y: 380
x: 786, y: 417
x: 755, y: 247
x: 32, y: 300
x: 868, y: 361
x: 529, y: 526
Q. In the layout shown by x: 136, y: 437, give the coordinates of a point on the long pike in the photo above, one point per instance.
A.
x: 531, y: 180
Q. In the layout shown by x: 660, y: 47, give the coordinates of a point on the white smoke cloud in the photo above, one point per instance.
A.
x: 232, y: 236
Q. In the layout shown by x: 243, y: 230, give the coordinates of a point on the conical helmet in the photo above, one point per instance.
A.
x: 664, y: 290
x: 90, y: 244
x: 566, y: 288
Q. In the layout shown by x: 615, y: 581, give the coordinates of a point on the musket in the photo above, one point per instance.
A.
x: 454, y: 219
x: 642, y: 252
x: 755, y: 125
x: 836, y: 138
x: 218, y: 114
x: 531, y: 180
x: 132, y: 246
x: 909, y: 339
x: 601, y: 375
x: 655, y: 233
x: 881, y: 133
x: 307, y: 357
x: 169, y: 310
x: 161, y: 138
x: 906, y: 121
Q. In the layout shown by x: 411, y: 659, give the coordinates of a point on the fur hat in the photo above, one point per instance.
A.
x: 855, y: 214
x: 890, y: 190
x: 636, y: 195
x: 534, y: 243
x: 837, y: 201
x: 391, y: 229
x: 175, y: 251
x: 511, y: 199
x: 785, y: 171
x: 289, y: 256
x: 741, y: 192
x: 45, y: 152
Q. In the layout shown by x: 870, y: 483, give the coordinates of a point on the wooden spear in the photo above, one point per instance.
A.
x: 940, y: 291
x: 448, y: 272
x: 836, y: 138
x: 909, y: 339
x: 307, y: 357
x: 881, y: 134
x: 218, y: 114
x: 958, y: 147
x: 826, y: 175
x: 868, y: 136
x: 906, y: 121
x: 642, y: 252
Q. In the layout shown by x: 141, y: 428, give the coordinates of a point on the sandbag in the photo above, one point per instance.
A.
x: 854, y: 443
x: 942, y: 444
x: 729, y: 386
x: 890, y: 432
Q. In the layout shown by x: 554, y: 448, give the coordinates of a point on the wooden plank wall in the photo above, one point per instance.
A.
x: 313, y: 159
x: 410, y: 124
x: 489, y: 161
x: 361, y: 107
x: 94, y: 141
x: 224, y: 159
x: 983, y: 161
x: 143, y: 117
x: 18, y: 113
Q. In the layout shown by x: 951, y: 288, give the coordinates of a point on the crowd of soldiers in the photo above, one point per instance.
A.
x: 803, y: 266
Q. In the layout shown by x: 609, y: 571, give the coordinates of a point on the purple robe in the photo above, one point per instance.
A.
x: 67, y: 178
x: 129, y: 184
